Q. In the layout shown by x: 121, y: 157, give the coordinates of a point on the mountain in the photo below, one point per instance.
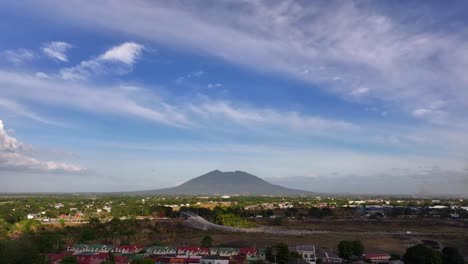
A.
x: 227, y: 183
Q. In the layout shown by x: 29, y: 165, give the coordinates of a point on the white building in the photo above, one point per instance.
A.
x: 307, y: 252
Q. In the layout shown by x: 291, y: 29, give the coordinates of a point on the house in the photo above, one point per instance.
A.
x: 329, y: 257
x: 377, y: 257
x: 192, y: 251
x: 161, y: 251
x: 213, y: 260
x: 80, y: 248
x: 33, y: 216
x: 307, y: 252
x: 224, y: 252
x: 249, y: 254
x: 128, y: 249
x: 178, y: 260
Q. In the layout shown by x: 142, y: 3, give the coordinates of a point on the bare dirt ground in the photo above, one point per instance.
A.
x: 377, y: 236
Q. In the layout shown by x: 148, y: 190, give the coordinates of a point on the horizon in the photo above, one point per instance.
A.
x: 329, y: 97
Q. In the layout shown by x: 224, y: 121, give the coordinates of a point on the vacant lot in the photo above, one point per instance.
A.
x: 377, y: 236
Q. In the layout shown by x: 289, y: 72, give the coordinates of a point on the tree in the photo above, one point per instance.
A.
x: 358, y: 248
x: 394, y: 256
x: 18, y: 251
x: 451, y: 255
x: 421, y: 254
x: 143, y: 261
x: 62, y: 223
x: 347, y: 249
x: 69, y: 260
x: 282, y: 253
x: 207, y: 241
x: 4, y: 228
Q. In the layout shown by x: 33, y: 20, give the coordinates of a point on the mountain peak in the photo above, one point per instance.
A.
x: 229, y: 182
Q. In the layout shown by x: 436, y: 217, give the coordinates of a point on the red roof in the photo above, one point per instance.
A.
x: 247, y: 251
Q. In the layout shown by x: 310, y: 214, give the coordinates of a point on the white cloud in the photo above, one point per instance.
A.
x: 21, y: 110
x: 421, y: 112
x: 257, y: 117
x: 42, y: 75
x: 363, y: 44
x: 56, y: 50
x: 214, y: 85
x: 360, y: 91
x: 127, y: 53
x: 141, y: 103
x: 118, y: 60
x: 18, y: 56
x: 13, y: 156
x: 196, y: 74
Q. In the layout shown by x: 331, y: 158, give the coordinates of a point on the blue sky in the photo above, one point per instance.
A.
x: 346, y: 96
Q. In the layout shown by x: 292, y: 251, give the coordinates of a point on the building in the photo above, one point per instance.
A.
x: 213, y: 260
x: 79, y: 248
x: 224, y: 252
x: 307, y: 253
x: 192, y: 251
x: 161, y: 251
x: 377, y: 257
x: 128, y: 249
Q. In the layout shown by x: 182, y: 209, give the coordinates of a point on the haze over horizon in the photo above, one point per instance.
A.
x: 337, y: 96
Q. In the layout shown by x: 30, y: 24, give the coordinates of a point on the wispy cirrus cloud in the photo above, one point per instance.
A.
x: 140, y: 102
x: 56, y: 50
x: 18, y: 56
x: 21, y: 110
x: 338, y: 45
x: 118, y: 59
x: 14, y: 156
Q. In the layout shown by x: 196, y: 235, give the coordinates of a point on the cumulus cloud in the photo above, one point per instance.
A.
x: 18, y: 56
x: 14, y: 156
x: 119, y: 60
x: 127, y: 53
x: 56, y: 50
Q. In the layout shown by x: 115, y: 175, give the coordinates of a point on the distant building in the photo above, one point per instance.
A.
x: 33, y: 216
x: 377, y: 257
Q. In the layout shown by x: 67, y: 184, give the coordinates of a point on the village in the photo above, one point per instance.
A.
x: 304, y: 254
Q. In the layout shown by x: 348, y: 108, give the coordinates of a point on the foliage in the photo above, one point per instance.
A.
x: 394, y: 256
x: 280, y: 254
x: 69, y: 260
x: 143, y: 261
x: 421, y: 254
x: 347, y: 249
x: 4, y: 228
x: 229, y: 219
x: 19, y: 252
x: 451, y: 255
x: 207, y: 241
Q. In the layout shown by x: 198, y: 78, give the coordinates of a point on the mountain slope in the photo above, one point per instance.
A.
x: 232, y: 183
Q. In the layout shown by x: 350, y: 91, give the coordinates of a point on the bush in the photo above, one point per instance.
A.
x: 421, y: 254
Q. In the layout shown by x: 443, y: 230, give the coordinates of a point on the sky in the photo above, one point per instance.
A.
x: 363, y: 97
